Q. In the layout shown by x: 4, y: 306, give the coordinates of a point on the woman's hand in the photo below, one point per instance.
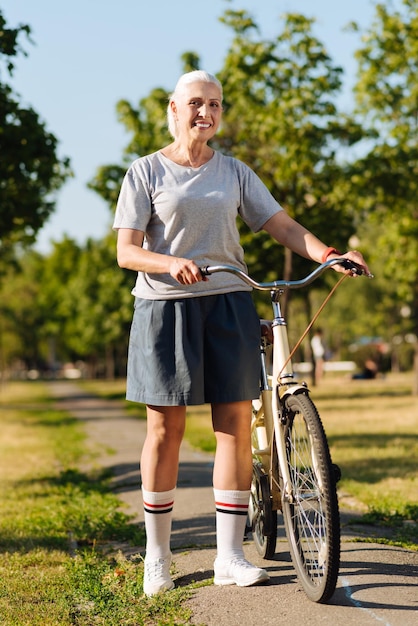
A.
x: 185, y: 271
x: 352, y: 255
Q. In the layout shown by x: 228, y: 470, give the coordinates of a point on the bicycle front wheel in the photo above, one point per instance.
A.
x: 310, y: 505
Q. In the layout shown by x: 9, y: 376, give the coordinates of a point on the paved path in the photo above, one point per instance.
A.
x: 378, y: 584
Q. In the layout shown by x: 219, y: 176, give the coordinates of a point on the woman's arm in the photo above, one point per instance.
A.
x: 293, y: 235
x: 132, y: 256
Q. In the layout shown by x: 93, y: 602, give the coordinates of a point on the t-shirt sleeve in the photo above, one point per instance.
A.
x: 133, y: 209
x: 257, y: 204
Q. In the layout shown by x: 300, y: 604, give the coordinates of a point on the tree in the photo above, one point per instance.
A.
x: 57, y: 271
x: 385, y: 180
x: 33, y: 312
x: 99, y: 306
x: 281, y: 119
x: 32, y: 170
x: 70, y: 305
x: 147, y: 125
x: 20, y: 315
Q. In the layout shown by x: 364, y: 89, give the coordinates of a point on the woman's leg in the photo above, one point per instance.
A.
x: 160, y: 453
x: 233, y: 460
x: 159, y: 469
x: 232, y: 481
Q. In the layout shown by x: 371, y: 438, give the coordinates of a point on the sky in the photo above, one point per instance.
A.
x: 89, y: 54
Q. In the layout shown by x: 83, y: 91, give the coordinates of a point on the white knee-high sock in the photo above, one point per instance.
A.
x: 158, y: 513
x: 231, y: 516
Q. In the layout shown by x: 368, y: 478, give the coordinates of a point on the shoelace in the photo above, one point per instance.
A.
x: 238, y: 562
x: 155, y: 569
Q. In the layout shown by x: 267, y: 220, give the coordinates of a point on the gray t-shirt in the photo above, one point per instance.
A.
x: 191, y: 213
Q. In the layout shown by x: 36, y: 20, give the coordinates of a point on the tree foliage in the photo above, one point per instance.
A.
x: 147, y: 126
x: 68, y: 306
x: 98, y: 306
x: 32, y: 170
x: 386, y: 178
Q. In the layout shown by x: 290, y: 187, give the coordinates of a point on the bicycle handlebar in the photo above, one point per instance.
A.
x: 286, y: 284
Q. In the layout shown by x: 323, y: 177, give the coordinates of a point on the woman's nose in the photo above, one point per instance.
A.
x: 204, y: 110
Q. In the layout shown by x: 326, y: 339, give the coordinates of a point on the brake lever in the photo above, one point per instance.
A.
x: 354, y: 267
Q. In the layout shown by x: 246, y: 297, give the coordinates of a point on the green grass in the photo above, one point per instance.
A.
x: 112, y: 590
x: 373, y: 434
x: 56, y: 526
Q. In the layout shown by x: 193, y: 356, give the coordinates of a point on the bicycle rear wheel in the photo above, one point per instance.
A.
x: 310, y: 512
x: 263, y: 517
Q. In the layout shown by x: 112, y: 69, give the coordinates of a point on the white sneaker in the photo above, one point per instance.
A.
x: 239, y: 572
x: 157, y: 575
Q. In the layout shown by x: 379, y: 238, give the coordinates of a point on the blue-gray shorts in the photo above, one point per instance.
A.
x: 194, y: 350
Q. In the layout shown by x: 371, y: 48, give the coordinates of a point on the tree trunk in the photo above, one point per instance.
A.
x: 415, y: 378
x: 110, y: 363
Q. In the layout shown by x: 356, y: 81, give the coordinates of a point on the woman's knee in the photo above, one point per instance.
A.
x: 232, y: 419
x: 165, y: 425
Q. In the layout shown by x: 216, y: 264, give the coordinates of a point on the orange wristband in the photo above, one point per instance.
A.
x: 327, y: 252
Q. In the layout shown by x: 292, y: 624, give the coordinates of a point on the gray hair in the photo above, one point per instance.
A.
x: 197, y: 76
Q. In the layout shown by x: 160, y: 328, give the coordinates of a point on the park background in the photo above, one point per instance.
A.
x: 321, y: 100
x: 79, y: 100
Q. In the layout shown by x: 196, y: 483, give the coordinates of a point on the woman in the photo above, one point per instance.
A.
x: 195, y: 340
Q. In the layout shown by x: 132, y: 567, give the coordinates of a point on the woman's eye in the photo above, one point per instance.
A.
x: 197, y: 103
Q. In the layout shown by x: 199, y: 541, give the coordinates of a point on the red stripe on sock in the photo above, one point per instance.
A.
x: 234, y: 506
x: 159, y: 506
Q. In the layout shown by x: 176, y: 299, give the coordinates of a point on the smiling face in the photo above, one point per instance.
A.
x: 197, y: 109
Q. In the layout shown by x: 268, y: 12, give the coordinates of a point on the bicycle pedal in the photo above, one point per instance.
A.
x: 337, y: 472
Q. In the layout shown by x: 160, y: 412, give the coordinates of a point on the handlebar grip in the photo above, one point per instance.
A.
x: 204, y: 270
x: 350, y: 265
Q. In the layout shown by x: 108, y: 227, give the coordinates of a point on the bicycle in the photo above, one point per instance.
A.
x: 292, y: 467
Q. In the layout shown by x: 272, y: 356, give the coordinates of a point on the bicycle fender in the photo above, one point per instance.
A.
x: 291, y: 390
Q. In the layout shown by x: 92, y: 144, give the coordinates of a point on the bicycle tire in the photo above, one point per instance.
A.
x: 264, y: 518
x: 311, y: 514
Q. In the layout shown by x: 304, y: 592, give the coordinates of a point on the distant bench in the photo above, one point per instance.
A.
x: 329, y: 366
